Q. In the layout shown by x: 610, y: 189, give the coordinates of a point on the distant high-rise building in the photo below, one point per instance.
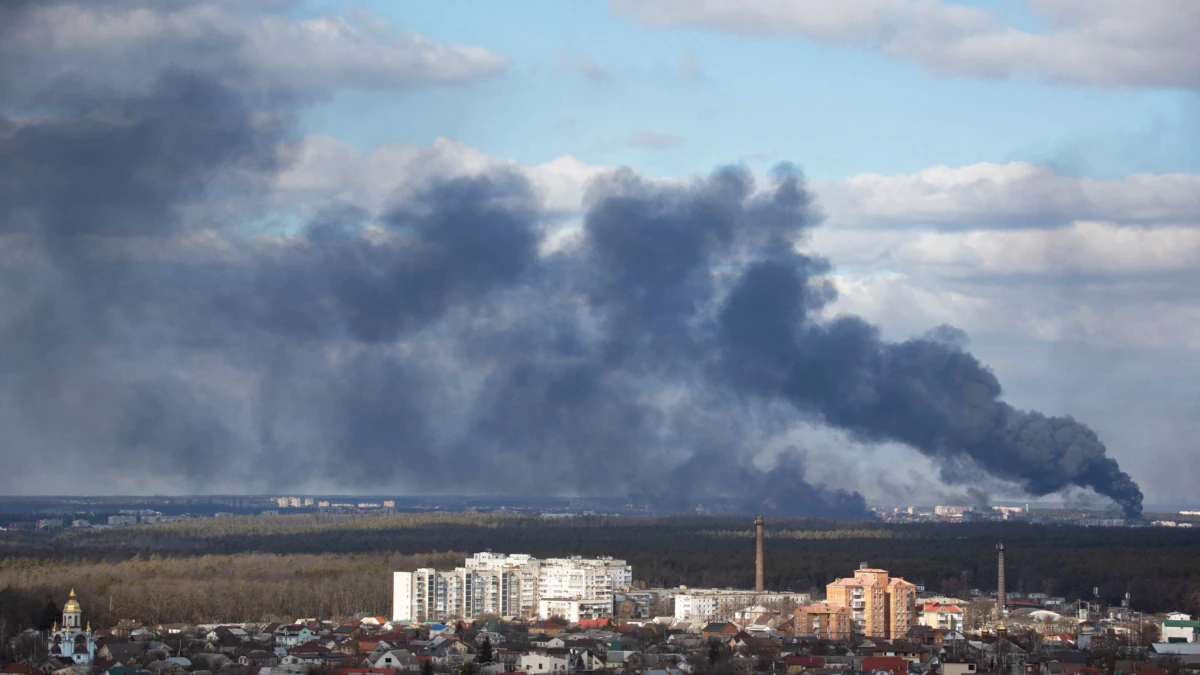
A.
x: 507, y: 585
x: 879, y: 605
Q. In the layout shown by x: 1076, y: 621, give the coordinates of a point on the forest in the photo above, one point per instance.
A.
x: 283, y: 567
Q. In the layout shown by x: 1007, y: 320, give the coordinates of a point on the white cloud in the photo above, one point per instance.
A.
x: 323, y: 169
x: 1103, y: 42
x: 1085, y: 248
x: 1018, y: 194
x: 1102, y: 313
x: 126, y: 45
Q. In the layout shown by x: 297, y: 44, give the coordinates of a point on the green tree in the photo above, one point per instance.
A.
x: 485, y: 651
x: 716, y: 652
x: 49, y: 615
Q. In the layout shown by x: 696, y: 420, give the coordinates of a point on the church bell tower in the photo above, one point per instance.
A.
x: 72, y: 614
x: 72, y: 641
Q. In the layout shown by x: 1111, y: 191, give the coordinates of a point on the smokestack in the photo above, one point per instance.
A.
x: 1000, y: 589
x: 758, y: 553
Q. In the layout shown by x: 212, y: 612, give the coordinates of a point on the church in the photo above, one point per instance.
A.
x: 72, y: 641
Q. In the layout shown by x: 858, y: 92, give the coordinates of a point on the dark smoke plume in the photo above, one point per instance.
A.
x: 159, y: 325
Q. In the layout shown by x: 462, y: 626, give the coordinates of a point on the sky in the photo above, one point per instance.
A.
x: 1027, y: 172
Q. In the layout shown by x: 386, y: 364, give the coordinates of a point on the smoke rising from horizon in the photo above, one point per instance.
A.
x: 153, y: 324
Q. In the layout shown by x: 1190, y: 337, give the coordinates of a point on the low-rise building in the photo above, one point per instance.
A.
x: 540, y: 664
x: 938, y: 615
x: 1179, y: 627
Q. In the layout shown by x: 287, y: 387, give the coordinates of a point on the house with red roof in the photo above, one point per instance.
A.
x: 893, y: 665
x: 943, y: 616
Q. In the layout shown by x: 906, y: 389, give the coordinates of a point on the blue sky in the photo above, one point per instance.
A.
x: 837, y: 111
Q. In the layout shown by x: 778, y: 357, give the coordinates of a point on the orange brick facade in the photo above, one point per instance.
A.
x: 822, y: 620
x: 878, y: 606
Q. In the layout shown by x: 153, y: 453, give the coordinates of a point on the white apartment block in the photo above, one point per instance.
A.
x: 575, y: 611
x: 714, y: 604
x: 509, y: 585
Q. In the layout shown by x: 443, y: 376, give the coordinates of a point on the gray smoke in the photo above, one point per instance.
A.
x: 158, y: 324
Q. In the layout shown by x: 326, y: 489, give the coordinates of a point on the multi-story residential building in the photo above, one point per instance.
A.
x: 822, y: 620
x: 879, y: 606
x: 580, y: 578
x: 940, y: 615
x: 710, y: 604
x: 508, y: 585
x: 574, y: 611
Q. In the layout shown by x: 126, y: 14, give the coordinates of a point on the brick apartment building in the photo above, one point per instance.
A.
x: 878, y: 605
x: 822, y: 620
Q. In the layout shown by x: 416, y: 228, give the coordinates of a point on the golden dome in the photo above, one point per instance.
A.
x: 72, y: 606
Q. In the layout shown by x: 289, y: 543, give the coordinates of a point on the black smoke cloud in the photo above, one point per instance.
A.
x: 161, y: 328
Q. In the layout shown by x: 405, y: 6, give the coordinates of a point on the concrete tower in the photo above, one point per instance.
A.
x: 758, y: 553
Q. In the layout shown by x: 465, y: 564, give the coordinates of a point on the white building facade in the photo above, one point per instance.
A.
x: 1179, y: 627
x: 541, y: 664
x: 507, y: 585
x: 716, y: 604
x: 575, y: 610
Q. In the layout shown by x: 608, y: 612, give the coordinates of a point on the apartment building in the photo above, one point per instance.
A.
x: 710, y: 604
x: 507, y: 585
x: 574, y: 611
x: 582, y: 578
x: 879, y: 605
x: 822, y: 620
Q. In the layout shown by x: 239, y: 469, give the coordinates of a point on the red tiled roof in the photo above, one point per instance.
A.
x: 821, y: 608
x: 891, y: 664
x: 314, y: 647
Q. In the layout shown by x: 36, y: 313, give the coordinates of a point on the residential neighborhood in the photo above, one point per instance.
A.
x: 947, y: 636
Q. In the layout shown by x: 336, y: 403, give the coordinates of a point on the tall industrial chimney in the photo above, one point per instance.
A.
x: 1000, y: 589
x: 758, y: 553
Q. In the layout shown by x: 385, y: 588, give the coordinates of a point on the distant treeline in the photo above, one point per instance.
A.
x: 265, y: 567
